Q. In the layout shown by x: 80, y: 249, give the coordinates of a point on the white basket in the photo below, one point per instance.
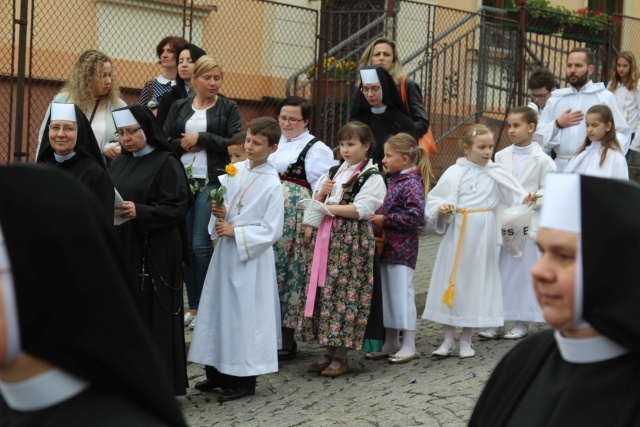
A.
x: 314, y: 212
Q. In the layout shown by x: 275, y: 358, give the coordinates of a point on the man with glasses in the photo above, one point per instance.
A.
x: 562, y: 122
x: 541, y: 83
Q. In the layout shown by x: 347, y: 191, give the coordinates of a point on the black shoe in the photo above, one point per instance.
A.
x: 208, y: 386
x: 232, y: 393
x: 290, y: 353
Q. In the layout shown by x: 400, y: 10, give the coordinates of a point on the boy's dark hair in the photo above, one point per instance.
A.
x: 528, y: 114
x: 296, y: 101
x: 542, y: 78
x: 237, y: 139
x: 266, y: 126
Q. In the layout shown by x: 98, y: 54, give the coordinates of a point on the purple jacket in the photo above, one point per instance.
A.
x: 403, y: 210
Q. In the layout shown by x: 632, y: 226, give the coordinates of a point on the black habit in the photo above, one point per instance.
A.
x: 87, y: 165
x: 151, y: 243
x: 74, y: 308
x: 395, y: 118
x: 534, y: 385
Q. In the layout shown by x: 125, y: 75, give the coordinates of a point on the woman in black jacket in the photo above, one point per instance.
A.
x: 199, y: 128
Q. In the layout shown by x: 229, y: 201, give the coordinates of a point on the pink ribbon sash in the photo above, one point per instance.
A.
x: 319, y: 265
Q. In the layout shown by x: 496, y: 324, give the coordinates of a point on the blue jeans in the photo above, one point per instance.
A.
x: 200, y: 248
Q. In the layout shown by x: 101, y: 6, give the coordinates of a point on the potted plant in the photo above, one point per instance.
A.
x: 586, y: 25
x: 338, y: 76
x: 540, y: 16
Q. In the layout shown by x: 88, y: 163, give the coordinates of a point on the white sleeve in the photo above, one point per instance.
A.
x: 318, y: 161
x: 433, y: 222
x: 623, y: 132
x: 371, y: 196
x: 547, y: 130
x: 637, y: 98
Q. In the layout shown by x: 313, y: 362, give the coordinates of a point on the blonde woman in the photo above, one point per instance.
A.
x: 93, y: 87
x: 199, y: 128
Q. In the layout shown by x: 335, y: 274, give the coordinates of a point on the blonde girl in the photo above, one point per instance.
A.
x: 339, y: 271
x: 401, y: 214
x: 465, y: 208
x: 600, y: 155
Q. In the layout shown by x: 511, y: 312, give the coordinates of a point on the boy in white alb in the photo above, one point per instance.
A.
x: 526, y: 161
x: 238, y: 330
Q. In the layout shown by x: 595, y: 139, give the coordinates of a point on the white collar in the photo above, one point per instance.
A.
x: 42, y: 391
x: 165, y: 81
x: 407, y: 170
x: 379, y: 110
x: 594, y: 146
x: 303, y: 135
x: 61, y: 159
x: 523, y: 150
x: 588, y: 350
x: 144, y: 151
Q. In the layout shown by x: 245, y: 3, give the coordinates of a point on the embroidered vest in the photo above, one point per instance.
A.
x: 296, y: 170
x: 350, y: 193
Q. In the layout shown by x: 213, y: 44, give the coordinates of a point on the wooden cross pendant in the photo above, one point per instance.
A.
x: 142, y: 277
x: 239, y: 206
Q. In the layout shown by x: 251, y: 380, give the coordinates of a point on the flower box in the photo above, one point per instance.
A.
x: 534, y: 24
x: 583, y: 33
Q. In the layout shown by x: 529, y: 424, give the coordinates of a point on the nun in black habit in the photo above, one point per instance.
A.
x: 154, y: 189
x: 380, y: 106
x: 69, y: 143
x: 73, y: 350
x: 586, y: 371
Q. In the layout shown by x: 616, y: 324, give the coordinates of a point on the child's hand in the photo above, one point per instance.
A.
x: 445, y: 210
x: 306, y: 237
x: 377, y: 220
x: 218, y: 211
x: 224, y: 229
x: 530, y: 199
x: 327, y: 187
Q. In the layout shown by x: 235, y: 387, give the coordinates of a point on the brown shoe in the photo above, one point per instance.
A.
x: 319, y: 367
x: 344, y: 368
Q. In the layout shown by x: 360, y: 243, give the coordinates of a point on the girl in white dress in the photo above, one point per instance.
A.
x: 465, y: 207
x: 624, y: 85
x: 526, y: 161
x: 600, y: 155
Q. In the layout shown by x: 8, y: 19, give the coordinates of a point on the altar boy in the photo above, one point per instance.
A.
x: 237, y: 334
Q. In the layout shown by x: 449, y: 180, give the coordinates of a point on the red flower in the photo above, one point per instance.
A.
x: 598, y: 12
x: 581, y: 11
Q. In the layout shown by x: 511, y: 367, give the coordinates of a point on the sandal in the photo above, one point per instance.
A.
x: 289, y: 353
x: 343, y: 369
x: 319, y: 367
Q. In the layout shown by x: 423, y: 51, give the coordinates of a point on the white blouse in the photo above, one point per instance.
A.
x: 371, y: 195
x: 317, y: 162
x: 629, y: 105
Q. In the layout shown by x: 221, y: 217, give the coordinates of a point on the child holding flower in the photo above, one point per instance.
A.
x: 238, y: 327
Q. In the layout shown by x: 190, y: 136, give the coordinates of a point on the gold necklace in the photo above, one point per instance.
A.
x: 198, y: 107
x: 240, y: 205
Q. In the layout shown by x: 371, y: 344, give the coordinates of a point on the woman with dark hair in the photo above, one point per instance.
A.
x: 71, y: 146
x: 301, y: 159
x: 199, y: 128
x: 154, y: 189
x: 73, y: 350
x: 384, y: 52
x: 185, y: 61
x: 379, y: 105
x: 153, y: 89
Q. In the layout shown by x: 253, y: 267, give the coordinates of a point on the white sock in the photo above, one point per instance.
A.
x: 408, y: 344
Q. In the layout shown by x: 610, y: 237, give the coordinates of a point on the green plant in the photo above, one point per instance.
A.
x: 585, y: 17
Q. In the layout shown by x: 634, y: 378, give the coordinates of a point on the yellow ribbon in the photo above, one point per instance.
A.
x: 449, y: 293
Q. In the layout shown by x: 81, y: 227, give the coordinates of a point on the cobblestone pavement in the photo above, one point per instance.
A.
x: 423, y: 392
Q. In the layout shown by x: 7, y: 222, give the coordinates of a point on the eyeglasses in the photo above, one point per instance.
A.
x: 374, y: 89
x: 539, y: 96
x: 123, y: 132
x: 291, y: 120
x: 65, y: 129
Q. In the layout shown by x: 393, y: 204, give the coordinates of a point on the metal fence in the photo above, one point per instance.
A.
x: 472, y: 67
x: 260, y: 44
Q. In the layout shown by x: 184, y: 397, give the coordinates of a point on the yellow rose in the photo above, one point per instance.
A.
x: 231, y: 170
